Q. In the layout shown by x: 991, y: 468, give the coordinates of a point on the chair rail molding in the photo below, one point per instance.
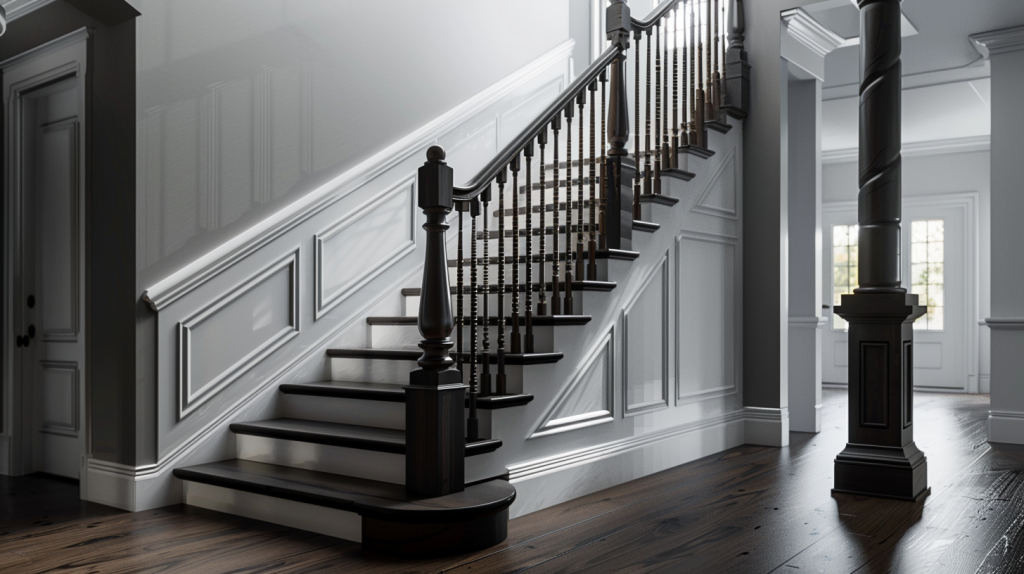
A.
x: 917, y: 149
x: 1005, y: 323
x: 998, y: 41
x: 811, y: 33
x: 244, y: 244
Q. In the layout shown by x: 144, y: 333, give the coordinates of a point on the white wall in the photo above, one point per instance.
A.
x: 245, y: 105
x: 931, y: 175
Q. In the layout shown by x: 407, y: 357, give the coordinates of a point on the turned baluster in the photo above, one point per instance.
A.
x: 602, y: 224
x: 556, y: 293
x: 684, y: 112
x: 709, y: 108
x: 472, y: 423
x: 638, y: 171
x: 699, y: 101
x: 716, y: 79
x: 647, y: 123
x: 666, y: 160
x: 460, y: 208
x: 542, y: 305
x: 517, y: 340
x: 568, y: 209
x: 694, y: 60
x: 581, y: 101
x: 528, y: 153
x: 500, y: 381
x: 435, y: 396
x: 485, y: 376
x: 674, y: 158
x: 657, y: 108
x: 736, y: 94
x: 592, y: 232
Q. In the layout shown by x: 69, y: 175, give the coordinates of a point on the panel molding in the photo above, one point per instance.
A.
x: 722, y: 390
x: 628, y: 409
x: 198, y: 272
x: 327, y: 301
x: 699, y: 206
x: 71, y: 334
x: 189, y: 400
x: 73, y: 429
x: 550, y: 425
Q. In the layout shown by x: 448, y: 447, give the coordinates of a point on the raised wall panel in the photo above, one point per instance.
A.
x: 874, y: 382
x: 234, y: 155
x: 237, y: 331
x: 179, y: 175
x: 57, y: 198
x: 719, y: 197
x: 645, y: 345
x: 58, y: 384
x: 589, y: 398
x: 364, y: 244
x: 707, y: 307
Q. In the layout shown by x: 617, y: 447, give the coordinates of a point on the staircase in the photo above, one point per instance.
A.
x: 393, y: 450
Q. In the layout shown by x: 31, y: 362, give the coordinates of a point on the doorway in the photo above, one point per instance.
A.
x: 45, y: 391
x: 939, y: 263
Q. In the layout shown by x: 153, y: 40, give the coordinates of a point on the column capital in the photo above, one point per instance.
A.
x: 998, y: 41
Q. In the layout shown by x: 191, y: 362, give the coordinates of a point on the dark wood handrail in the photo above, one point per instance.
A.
x: 500, y: 161
x: 654, y: 16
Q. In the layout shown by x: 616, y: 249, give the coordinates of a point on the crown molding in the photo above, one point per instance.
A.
x: 998, y: 41
x: 811, y: 33
x: 934, y: 147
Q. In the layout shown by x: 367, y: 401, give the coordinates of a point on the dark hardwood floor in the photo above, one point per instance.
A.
x: 749, y: 509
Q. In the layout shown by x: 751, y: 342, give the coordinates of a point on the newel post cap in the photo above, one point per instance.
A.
x: 435, y: 181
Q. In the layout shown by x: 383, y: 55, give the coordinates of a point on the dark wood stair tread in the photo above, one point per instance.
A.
x: 576, y: 286
x: 368, y: 498
x: 338, y: 434
x: 701, y: 152
x: 415, y: 354
x: 538, y: 320
x: 678, y: 173
x: 647, y: 226
x: 658, y: 198
x: 720, y: 127
x: 388, y: 392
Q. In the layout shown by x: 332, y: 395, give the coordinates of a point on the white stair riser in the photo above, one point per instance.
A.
x: 390, y: 371
x: 412, y: 302
x: 381, y: 414
x: 309, y: 517
x: 372, y: 465
x: 408, y: 336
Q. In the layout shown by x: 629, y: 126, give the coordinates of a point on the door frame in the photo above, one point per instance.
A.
x: 968, y: 202
x: 60, y: 59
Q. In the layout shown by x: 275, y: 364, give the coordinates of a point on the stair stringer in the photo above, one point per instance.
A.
x: 573, y: 460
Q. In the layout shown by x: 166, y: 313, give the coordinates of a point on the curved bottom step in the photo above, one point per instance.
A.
x: 391, y: 521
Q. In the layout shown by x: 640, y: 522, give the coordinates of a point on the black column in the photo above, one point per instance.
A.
x: 880, y: 458
x: 619, y: 217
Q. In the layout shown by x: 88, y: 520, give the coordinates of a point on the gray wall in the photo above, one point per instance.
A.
x: 765, y: 230
x: 246, y: 105
x: 110, y: 197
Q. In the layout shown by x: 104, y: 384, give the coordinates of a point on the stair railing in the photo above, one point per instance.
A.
x: 603, y: 195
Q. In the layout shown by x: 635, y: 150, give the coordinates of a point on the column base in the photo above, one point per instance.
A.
x: 899, y: 473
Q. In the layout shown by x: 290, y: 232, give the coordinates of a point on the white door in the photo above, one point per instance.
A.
x: 938, y: 264
x: 52, y: 310
x: 839, y: 228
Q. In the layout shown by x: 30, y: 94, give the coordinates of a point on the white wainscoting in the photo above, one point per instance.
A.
x: 645, y: 340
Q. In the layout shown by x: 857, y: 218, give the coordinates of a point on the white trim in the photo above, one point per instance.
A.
x: 811, y: 33
x: 548, y: 425
x: 808, y: 322
x: 629, y: 410
x: 590, y: 454
x: 917, y: 149
x: 766, y: 426
x: 1006, y: 427
x: 24, y: 8
x: 55, y: 44
x: 698, y: 204
x: 1005, y: 323
x: 194, y: 274
x: 998, y: 41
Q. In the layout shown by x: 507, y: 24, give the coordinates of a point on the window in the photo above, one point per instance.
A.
x: 927, y: 243
x: 844, y: 267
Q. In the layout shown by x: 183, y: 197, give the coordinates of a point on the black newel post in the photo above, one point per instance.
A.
x: 435, y: 397
x: 737, y: 70
x: 881, y: 458
x: 619, y: 210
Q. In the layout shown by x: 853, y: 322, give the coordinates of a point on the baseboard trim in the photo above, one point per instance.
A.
x: 1006, y: 427
x: 766, y: 426
x: 552, y: 480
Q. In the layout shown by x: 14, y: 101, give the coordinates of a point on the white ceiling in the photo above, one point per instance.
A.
x: 941, y: 112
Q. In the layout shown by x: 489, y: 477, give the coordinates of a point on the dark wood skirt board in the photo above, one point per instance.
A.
x: 749, y: 509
